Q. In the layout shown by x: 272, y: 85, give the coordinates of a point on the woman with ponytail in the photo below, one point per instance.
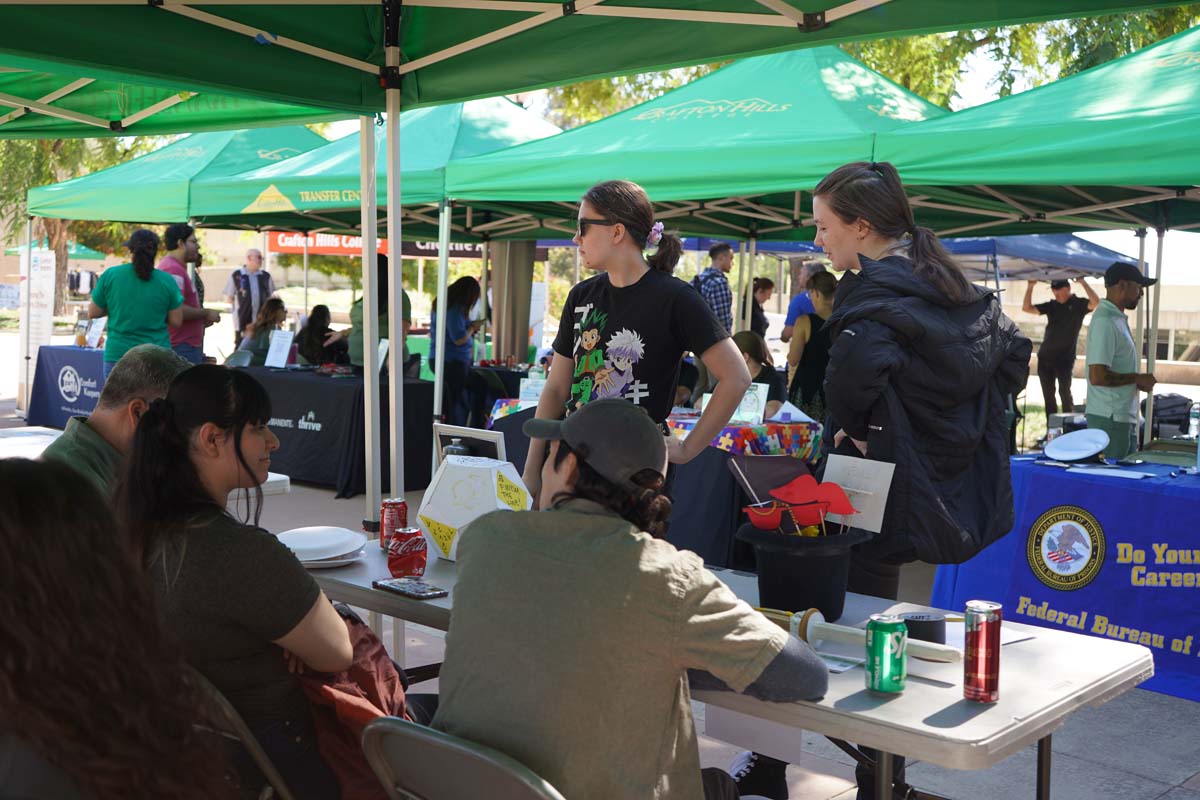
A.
x: 621, y: 621
x: 140, y: 301
x: 920, y: 370
x: 243, y: 608
x: 624, y: 331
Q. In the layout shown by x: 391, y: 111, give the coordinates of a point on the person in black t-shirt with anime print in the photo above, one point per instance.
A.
x: 624, y: 331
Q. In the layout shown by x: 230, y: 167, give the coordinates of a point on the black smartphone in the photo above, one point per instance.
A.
x: 411, y: 587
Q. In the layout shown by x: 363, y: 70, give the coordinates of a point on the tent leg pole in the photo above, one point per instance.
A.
x: 442, y: 311
x: 738, y: 311
x: 1141, y: 329
x: 486, y: 307
x: 748, y: 292
x: 1152, y: 355
x: 395, y: 213
x: 370, y: 355
x: 306, y: 272
x: 779, y: 289
x: 28, y: 310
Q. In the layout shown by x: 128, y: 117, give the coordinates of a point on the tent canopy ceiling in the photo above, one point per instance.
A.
x: 75, y: 251
x: 155, y: 188
x: 47, y: 104
x: 331, y: 54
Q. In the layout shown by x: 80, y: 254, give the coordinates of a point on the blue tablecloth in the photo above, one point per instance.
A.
x: 66, y: 383
x: 1098, y: 555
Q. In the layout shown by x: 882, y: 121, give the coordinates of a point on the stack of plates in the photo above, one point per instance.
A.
x: 323, y: 546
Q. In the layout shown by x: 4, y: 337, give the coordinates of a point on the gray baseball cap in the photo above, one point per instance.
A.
x: 620, y: 438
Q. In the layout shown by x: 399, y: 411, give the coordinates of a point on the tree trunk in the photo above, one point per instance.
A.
x: 56, y: 234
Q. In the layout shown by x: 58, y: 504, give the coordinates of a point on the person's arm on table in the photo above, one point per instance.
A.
x: 726, y: 364
x: 1093, y: 298
x: 797, y: 673
x: 550, y: 406
x: 321, y: 640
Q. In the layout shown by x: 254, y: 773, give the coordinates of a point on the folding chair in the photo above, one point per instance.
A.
x: 225, y: 719
x: 418, y: 763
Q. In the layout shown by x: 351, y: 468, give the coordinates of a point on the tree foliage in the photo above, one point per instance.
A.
x: 932, y: 66
x: 26, y: 163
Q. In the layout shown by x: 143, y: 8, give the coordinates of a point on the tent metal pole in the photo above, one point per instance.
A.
x: 306, y: 272
x: 370, y: 316
x: 741, y: 283
x: 396, y: 352
x: 779, y: 287
x: 483, y: 294
x: 748, y: 292
x: 28, y: 309
x: 996, y: 270
x: 1152, y: 355
x: 439, y: 370
x: 1141, y: 318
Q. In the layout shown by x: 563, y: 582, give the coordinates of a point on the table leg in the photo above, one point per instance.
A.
x: 375, y: 622
x: 883, y: 776
x: 1043, y: 768
x: 398, y: 641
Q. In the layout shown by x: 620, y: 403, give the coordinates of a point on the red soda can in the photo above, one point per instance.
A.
x: 407, y: 553
x: 981, y: 655
x: 393, y: 515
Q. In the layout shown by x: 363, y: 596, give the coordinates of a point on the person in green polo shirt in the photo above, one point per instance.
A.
x: 141, y: 302
x: 95, y: 446
x: 355, y: 336
x: 1112, y: 361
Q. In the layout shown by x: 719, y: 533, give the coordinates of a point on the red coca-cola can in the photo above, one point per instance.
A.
x: 393, y: 515
x: 407, y: 553
x: 981, y: 655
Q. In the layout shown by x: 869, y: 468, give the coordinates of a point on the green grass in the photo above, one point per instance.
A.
x: 1032, y: 427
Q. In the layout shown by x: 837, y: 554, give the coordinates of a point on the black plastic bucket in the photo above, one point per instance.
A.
x: 796, y: 573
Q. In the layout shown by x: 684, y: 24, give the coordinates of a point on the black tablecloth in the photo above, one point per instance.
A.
x: 481, y: 398
x: 320, y: 424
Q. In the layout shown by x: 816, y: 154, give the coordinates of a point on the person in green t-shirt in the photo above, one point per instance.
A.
x: 139, y: 301
x: 95, y: 446
x: 355, y: 334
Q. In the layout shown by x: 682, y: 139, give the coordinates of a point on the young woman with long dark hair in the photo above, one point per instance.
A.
x: 141, y: 302
x: 460, y: 297
x: 240, y: 602
x: 624, y: 331
x: 920, y: 367
x: 94, y: 697
x: 311, y: 342
x: 257, y: 340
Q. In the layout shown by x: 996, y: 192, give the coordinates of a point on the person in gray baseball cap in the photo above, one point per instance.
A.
x: 1112, y: 360
x: 576, y: 631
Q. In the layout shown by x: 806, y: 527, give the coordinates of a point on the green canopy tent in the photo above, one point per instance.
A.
x: 366, y: 56
x: 319, y: 190
x: 48, y: 104
x: 1112, y: 147
x: 157, y: 187
x: 75, y: 251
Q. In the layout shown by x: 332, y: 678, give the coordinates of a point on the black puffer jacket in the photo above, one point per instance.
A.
x: 924, y: 382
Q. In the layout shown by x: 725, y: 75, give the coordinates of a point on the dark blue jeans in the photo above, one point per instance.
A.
x: 292, y: 747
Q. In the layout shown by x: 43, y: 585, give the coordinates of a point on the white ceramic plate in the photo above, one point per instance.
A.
x: 340, y: 561
x: 1077, y: 445
x: 322, y: 542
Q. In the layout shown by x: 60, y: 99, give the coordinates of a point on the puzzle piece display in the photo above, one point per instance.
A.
x: 464, y: 489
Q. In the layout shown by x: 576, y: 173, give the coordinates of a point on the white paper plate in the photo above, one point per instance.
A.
x: 322, y: 542
x: 1077, y: 445
x: 340, y: 561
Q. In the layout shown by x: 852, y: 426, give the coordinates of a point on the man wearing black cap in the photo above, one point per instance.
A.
x: 1056, y: 357
x: 1112, y: 361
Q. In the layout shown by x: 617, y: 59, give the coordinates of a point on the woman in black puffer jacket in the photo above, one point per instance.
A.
x: 919, y: 371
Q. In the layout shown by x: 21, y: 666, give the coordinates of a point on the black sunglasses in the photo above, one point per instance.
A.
x: 584, y: 222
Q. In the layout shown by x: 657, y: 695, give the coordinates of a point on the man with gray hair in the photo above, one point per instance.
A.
x: 96, y: 446
x: 246, y: 290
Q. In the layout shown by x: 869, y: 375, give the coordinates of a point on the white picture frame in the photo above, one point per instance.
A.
x: 483, y: 443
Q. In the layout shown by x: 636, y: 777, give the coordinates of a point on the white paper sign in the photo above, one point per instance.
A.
x: 37, y: 311
x: 95, y: 330
x: 750, y: 411
x: 537, y: 313
x: 866, y: 484
x: 281, y: 347
x: 789, y: 413
x: 531, y: 389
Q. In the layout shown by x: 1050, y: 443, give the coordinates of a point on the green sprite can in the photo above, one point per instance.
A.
x: 887, y: 653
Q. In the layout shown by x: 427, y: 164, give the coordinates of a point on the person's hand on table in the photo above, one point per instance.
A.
x: 678, y: 450
x: 334, y: 336
x: 841, y: 435
x: 1145, y: 381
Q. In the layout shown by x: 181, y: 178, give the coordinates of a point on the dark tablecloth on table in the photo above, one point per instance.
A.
x: 481, y: 398
x: 320, y: 424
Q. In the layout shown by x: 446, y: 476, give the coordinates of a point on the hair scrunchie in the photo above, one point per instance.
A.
x: 655, y: 235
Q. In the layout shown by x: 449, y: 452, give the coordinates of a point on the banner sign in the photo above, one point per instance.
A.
x: 333, y: 244
x: 36, y: 312
x: 1101, y: 556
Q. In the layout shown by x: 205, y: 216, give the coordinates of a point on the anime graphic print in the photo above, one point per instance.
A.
x: 623, y: 350
x: 588, y: 359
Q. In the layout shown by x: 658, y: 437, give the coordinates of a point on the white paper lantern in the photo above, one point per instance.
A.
x: 464, y: 489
